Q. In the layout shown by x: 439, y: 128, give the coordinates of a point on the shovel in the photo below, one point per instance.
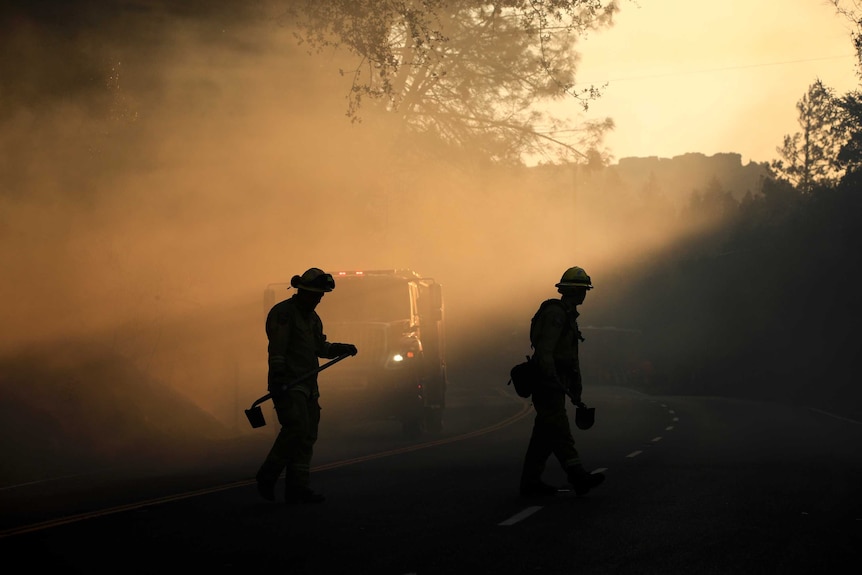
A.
x: 255, y: 413
x: 585, y: 416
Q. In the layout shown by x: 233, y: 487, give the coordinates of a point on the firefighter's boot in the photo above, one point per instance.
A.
x: 582, y: 480
x: 266, y: 486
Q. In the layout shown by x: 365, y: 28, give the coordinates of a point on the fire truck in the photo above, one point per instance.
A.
x: 395, y: 318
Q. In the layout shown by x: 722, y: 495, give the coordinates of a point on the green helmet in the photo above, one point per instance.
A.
x: 575, y: 277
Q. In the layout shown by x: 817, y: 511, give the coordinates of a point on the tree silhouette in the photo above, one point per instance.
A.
x: 850, y: 154
x: 810, y: 158
x: 852, y: 11
x: 468, y: 72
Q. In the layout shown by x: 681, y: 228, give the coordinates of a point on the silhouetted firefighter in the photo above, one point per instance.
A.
x: 554, y: 336
x: 296, y: 341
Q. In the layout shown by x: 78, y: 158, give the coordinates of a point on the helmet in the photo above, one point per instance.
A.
x: 575, y: 277
x: 314, y: 279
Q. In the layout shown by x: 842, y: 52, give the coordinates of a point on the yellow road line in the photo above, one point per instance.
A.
x: 189, y: 494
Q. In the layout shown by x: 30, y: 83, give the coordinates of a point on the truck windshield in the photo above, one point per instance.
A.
x: 366, y: 299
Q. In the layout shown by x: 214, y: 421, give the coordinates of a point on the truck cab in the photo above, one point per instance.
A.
x: 396, y: 320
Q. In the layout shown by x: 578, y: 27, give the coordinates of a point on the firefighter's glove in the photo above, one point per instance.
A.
x: 278, y: 383
x: 343, y: 349
x: 277, y: 374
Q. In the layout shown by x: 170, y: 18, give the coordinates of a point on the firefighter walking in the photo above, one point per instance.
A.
x: 554, y: 336
x: 296, y: 341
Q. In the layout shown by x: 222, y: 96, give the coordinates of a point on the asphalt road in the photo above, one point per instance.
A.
x: 694, y: 485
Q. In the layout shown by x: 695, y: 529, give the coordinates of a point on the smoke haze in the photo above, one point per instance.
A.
x: 160, y: 169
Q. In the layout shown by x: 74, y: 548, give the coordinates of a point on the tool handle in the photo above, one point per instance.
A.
x: 287, y: 386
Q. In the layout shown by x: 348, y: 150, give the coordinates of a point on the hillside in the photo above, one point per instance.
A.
x: 65, y: 406
x: 679, y: 176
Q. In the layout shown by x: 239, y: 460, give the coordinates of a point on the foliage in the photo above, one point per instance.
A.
x: 852, y: 11
x: 468, y: 72
x: 850, y: 155
x: 810, y: 157
x: 710, y: 205
x: 762, y: 303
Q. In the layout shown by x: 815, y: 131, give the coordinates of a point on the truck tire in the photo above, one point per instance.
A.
x: 413, y: 420
x: 413, y: 428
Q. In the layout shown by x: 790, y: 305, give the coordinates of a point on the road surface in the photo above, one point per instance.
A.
x: 694, y: 485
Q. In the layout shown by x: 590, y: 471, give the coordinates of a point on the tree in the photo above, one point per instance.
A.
x: 850, y: 155
x: 810, y: 158
x: 467, y: 71
x: 852, y: 11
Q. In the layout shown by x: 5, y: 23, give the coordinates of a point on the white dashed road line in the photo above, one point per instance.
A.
x: 520, y: 516
x: 839, y: 417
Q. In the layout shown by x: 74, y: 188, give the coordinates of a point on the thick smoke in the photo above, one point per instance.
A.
x: 161, y: 169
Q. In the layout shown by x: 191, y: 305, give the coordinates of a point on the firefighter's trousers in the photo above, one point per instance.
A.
x: 292, y: 449
x: 551, y: 435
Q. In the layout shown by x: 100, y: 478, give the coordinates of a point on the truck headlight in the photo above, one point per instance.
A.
x: 399, y: 359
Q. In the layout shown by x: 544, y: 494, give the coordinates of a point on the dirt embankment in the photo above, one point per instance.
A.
x: 66, y: 406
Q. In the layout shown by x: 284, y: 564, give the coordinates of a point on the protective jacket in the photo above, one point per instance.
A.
x: 296, y: 341
x: 555, y: 336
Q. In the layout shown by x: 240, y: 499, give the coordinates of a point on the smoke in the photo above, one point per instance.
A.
x: 162, y: 169
x: 167, y: 184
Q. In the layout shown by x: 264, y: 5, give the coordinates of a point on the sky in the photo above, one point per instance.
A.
x: 712, y: 77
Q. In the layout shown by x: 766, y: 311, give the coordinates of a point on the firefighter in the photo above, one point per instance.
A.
x: 554, y: 336
x: 296, y: 341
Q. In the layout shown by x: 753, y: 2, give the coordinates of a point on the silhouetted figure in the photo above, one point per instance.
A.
x: 296, y: 341
x: 554, y: 336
